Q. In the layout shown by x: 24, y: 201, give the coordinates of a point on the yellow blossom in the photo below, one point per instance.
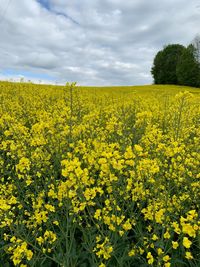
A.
x: 188, y: 255
x: 186, y: 242
x: 175, y: 245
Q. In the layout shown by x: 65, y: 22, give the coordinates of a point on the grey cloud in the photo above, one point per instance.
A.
x: 39, y: 60
x: 94, y: 42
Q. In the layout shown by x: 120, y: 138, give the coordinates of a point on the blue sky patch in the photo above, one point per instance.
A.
x: 26, y: 74
x: 46, y: 5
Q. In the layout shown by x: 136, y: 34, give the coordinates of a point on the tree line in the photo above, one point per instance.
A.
x: 177, y: 64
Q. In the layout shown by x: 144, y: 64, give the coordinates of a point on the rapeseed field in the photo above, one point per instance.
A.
x: 99, y: 177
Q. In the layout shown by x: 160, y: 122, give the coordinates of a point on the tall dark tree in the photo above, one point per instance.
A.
x: 165, y: 62
x: 188, y: 68
x: 157, y: 69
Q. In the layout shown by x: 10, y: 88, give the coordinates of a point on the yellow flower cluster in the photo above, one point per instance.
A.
x: 103, y: 249
x: 99, y: 176
x: 19, y: 251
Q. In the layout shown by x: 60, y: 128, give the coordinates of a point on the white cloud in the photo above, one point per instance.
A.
x: 92, y: 42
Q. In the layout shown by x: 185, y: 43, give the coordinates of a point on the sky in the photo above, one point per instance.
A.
x: 91, y: 42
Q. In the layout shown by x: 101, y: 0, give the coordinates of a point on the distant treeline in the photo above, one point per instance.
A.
x: 177, y: 64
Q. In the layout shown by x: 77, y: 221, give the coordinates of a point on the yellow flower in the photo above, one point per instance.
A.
x: 141, y: 251
x: 50, y: 207
x: 188, y: 255
x: 20, y: 251
x: 150, y: 258
x: 132, y: 252
x: 13, y: 239
x: 104, y: 249
x: 166, y: 258
x: 159, y: 216
x: 40, y: 240
x: 121, y: 233
x: 29, y: 254
x: 23, y: 165
x: 149, y: 228
x: 176, y: 227
x: 167, y: 235
x: 160, y: 251
x: 174, y: 245
x: 188, y: 229
x: 97, y: 214
x: 5, y: 237
x: 50, y: 236
x: 138, y: 148
x: 186, y: 242
x: 127, y: 225
x: 154, y: 237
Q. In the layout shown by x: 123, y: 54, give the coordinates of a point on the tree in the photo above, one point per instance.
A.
x: 188, y: 68
x: 196, y: 44
x: 157, y: 69
x: 165, y: 62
